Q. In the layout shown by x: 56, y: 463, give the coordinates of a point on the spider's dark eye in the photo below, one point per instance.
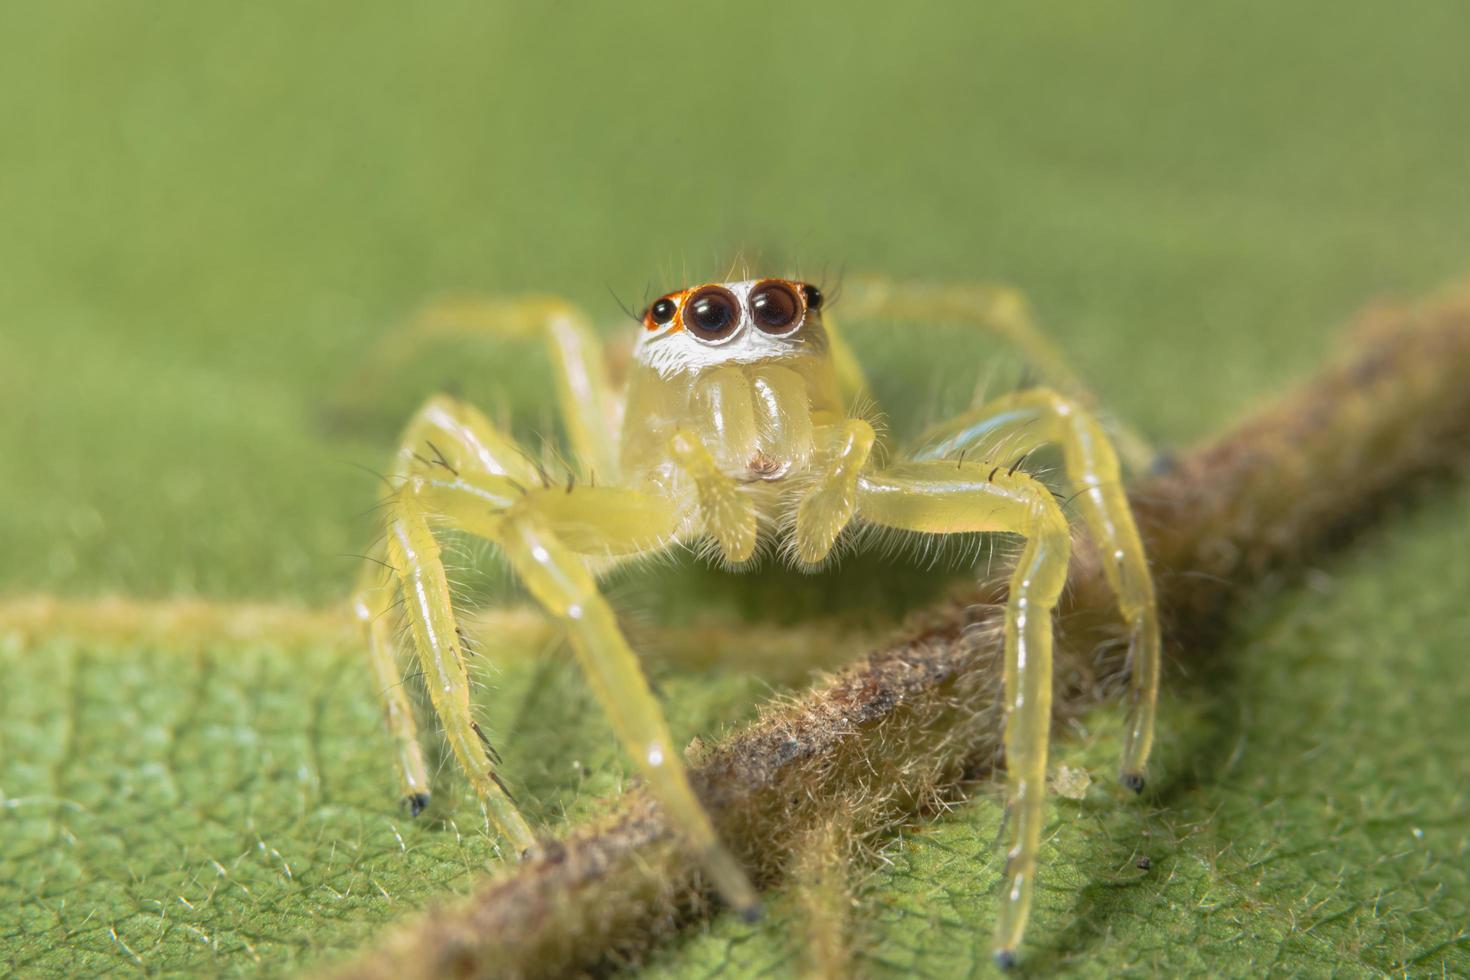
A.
x: 813, y: 296
x: 663, y: 311
x: 712, y: 314
x: 775, y: 307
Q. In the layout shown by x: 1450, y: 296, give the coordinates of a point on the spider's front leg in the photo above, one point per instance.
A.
x: 936, y: 497
x: 448, y: 437
x: 949, y: 498
x: 1018, y: 424
x: 548, y: 535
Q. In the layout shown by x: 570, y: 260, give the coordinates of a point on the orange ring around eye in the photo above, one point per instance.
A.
x: 712, y: 314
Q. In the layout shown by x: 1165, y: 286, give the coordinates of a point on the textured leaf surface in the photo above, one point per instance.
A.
x: 209, y: 213
x: 232, y: 807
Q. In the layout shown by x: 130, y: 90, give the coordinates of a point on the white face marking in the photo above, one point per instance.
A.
x: 671, y: 352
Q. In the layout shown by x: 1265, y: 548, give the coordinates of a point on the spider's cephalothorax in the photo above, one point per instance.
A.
x: 735, y: 419
x: 743, y: 371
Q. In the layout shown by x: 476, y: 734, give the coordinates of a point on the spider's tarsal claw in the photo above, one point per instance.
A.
x: 417, y: 803
x: 1005, y: 959
x: 1132, y: 780
x: 751, y: 914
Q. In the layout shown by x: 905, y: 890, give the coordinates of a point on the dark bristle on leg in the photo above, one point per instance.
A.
x: 417, y: 803
x: 1132, y: 780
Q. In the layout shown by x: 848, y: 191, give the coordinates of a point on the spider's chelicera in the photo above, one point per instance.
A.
x: 734, y: 434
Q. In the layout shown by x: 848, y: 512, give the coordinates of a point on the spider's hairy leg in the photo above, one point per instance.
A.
x: 372, y: 603
x: 827, y: 509
x: 545, y: 535
x: 449, y: 436
x: 1027, y: 419
x: 564, y: 586
x: 415, y: 557
x: 584, y: 394
x: 995, y: 308
x: 944, y: 498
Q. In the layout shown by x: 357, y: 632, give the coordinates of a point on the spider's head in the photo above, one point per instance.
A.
x: 732, y: 322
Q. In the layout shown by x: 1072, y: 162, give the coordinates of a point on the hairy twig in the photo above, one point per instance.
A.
x: 897, y: 732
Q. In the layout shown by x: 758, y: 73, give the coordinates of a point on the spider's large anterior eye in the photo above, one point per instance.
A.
x: 775, y: 307
x: 663, y: 311
x: 712, y: 314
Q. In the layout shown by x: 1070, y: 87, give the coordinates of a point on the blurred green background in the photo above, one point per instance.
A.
x: 209, y: 213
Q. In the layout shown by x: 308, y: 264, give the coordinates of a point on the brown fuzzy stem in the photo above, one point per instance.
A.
x: 897, y: 731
